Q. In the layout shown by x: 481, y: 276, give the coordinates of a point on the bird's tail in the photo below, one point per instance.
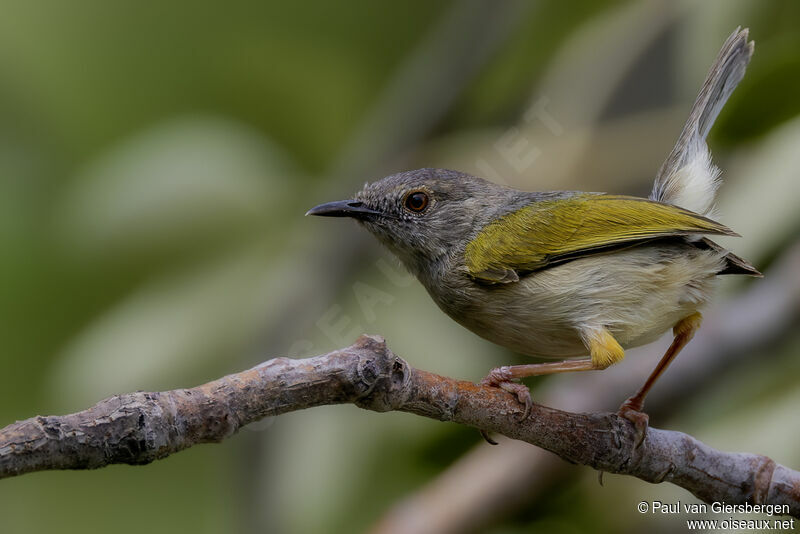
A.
x: 688, y: 178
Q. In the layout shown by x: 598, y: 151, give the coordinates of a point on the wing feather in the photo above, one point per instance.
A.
x: 547, y: 231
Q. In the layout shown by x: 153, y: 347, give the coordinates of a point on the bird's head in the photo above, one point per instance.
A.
x: 423, y: 216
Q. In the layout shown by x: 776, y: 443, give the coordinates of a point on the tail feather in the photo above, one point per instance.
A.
x: 733, y: 264
x: 688, y: 178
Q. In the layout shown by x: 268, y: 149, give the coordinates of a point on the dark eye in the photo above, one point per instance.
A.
x: 416, y: 201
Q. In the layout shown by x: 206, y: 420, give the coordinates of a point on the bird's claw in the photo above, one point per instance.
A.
x: 485, y: 435
x: 500, y: 377
x: 632, y: 411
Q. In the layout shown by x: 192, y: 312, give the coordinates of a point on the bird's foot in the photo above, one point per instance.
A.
x: 501, y: 377
x: 631, y: 410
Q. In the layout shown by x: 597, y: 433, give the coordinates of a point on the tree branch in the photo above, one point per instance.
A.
x: 137, y: 428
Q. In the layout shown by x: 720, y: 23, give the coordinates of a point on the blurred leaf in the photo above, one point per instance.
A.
x: 168, y: 332
x: 91, y: 71
x: 190, y: 182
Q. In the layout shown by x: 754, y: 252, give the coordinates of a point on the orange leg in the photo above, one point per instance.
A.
x: 631, y: 409
x: 502, y: 377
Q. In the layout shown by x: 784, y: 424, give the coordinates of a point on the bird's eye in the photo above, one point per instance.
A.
x: 416, y: 201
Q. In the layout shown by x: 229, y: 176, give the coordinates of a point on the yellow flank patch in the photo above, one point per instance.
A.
x: 604, y: 349
x: 688, y: 325
x: 531, y: 237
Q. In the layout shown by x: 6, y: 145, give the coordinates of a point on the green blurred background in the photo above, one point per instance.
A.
x: 156, y: 160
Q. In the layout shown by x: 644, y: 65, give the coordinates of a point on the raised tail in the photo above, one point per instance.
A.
x: 688, y: 178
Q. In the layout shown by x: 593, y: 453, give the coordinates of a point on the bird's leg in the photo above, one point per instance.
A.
x: 631, y: 409
x: 503, y: 378
x: 603, y: 348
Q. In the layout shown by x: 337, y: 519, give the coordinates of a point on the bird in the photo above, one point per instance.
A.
x: 575, y: 277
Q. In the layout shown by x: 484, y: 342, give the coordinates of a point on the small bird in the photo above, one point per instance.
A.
x: 566, y: 274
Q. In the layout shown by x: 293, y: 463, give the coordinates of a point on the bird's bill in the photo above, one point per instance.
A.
x: 343, y: 208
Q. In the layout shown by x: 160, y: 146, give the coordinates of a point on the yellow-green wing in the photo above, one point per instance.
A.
x: 548, y: 231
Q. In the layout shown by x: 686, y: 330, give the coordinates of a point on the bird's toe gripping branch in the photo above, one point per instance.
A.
x: 503, y: 378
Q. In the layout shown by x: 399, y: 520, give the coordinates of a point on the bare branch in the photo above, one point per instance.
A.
x: 137, y: 428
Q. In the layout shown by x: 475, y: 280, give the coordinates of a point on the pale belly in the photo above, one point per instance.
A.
x: 636, y: 294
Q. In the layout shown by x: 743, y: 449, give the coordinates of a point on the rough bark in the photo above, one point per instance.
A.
x: 137, y: 428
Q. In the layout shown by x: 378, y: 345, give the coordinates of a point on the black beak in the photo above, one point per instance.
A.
x: 343, y: 208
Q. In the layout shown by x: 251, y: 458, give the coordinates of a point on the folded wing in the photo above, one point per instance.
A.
x: 555, y: 230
